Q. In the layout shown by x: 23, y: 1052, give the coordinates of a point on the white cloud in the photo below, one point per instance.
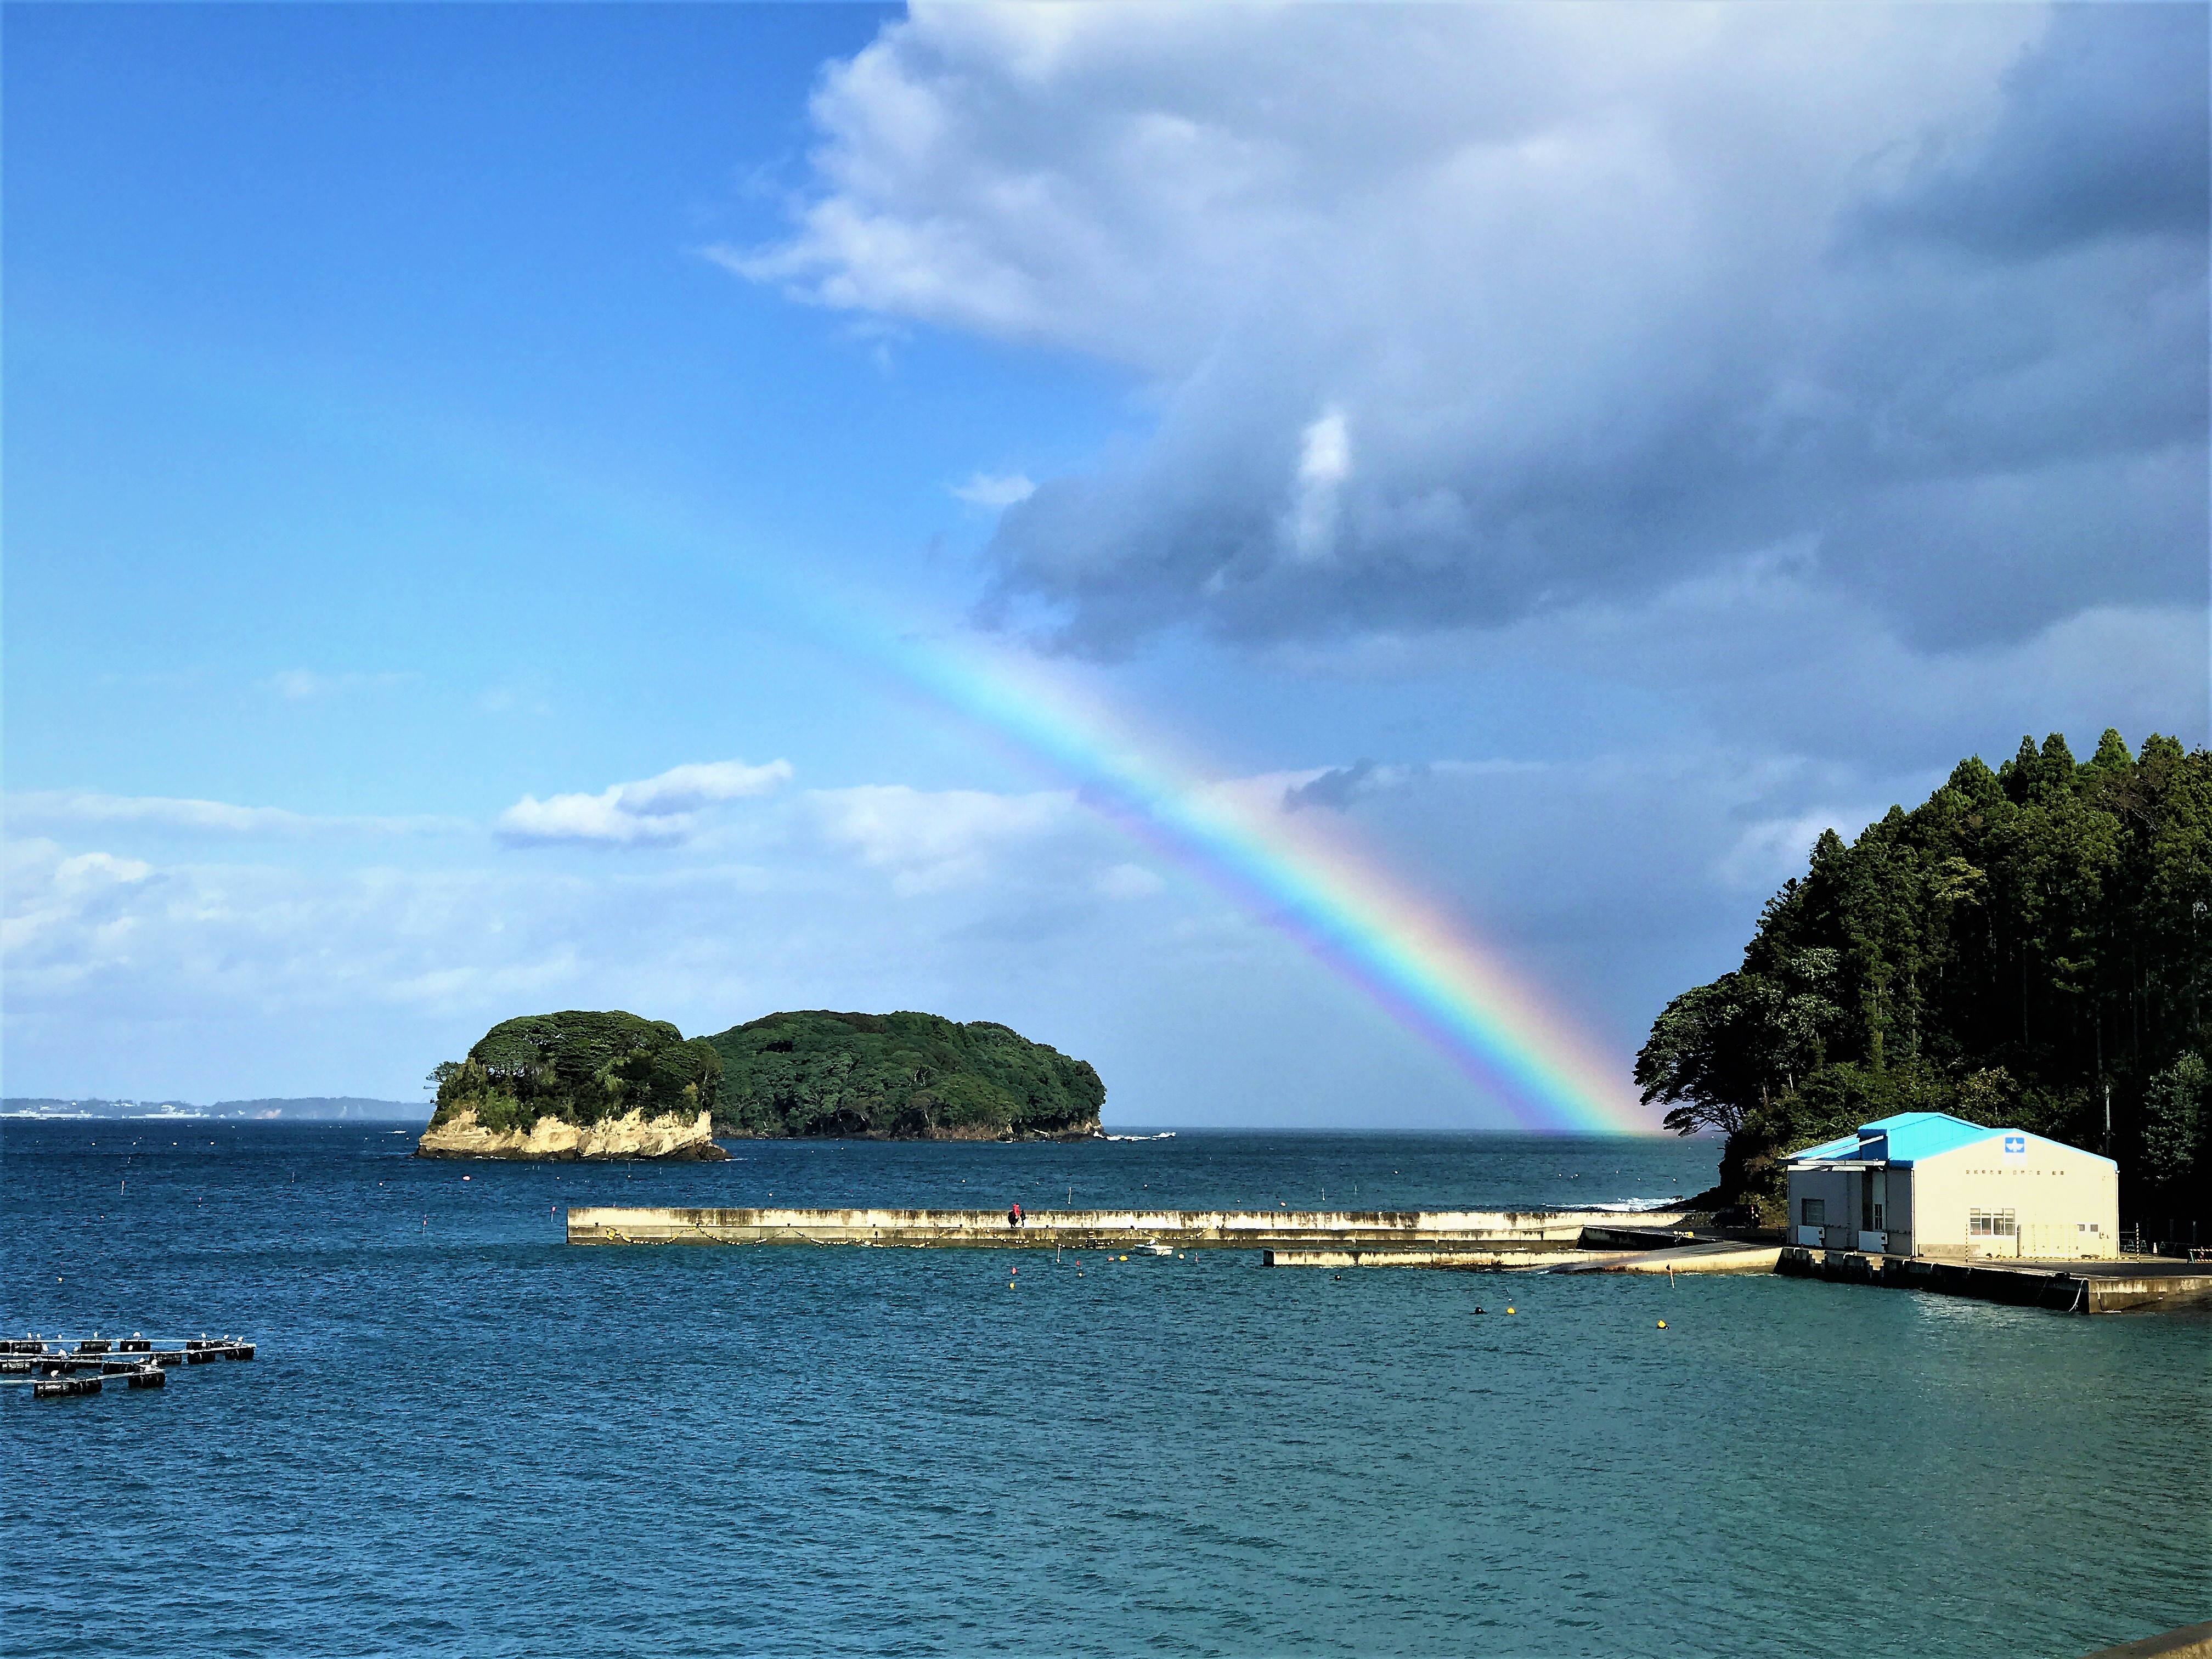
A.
x: 1608, y: 296
x: 168, y: 977
x: 655, y: 811
x: 52, y: 892
x: 1324, y: 463
x: 995, y: 489
x: 94, y: 939
x: 934, y: 839
x: 212, y: 980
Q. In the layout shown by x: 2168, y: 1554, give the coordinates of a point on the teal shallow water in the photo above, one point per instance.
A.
x: 464, y: 1436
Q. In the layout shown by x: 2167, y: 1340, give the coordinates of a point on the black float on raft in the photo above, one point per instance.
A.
x: 143, y: 1362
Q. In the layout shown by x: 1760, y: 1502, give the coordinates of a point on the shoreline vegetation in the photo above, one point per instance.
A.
x: 2024, y: 946
x: 587, y: 1083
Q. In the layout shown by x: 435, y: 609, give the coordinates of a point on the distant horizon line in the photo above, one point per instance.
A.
x: 14, y: 1108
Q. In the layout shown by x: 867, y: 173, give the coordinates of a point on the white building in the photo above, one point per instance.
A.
x: 1927, y: 1184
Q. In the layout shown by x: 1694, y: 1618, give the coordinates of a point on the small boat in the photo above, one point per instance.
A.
x: 1152, y: 1247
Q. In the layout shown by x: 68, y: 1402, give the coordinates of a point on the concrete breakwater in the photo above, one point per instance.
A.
x: 2063, y: 1286
x: 1374, y: 1235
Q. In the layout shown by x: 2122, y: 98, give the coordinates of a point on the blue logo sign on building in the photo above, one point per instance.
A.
x: 2015, y: 1146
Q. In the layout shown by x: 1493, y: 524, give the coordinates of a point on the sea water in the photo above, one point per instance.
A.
x: 462, y: 1436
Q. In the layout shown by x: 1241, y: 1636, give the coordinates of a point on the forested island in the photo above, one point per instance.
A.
x: 2016, y: 945
x: 579, y: 1084
x: 587, y: 1084
x: 901, y: 1076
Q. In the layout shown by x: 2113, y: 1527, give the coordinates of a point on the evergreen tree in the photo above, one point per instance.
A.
x: 909, y: 1075
x: 2023, y: 940
x: 579, y: 1066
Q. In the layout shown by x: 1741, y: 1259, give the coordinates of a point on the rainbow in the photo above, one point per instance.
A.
x: 1304, y: 875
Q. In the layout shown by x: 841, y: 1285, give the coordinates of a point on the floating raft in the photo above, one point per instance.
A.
x: 60, y: 1368
x: 1377, y: 1237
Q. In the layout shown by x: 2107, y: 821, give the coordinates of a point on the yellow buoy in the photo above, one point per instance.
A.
x: 1662, y: 1324
x: 1509, y: 1310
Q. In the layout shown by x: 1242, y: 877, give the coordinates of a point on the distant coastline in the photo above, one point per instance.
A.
x: 303, y: 1108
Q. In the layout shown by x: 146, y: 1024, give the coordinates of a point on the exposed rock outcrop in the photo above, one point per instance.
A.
x: 579, y: 1083
x: 670, y: 1135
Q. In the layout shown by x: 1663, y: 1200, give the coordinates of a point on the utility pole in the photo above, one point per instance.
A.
x: 2108, y: 1119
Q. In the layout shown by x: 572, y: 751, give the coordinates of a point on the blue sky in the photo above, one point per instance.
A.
x: 1645, y: 443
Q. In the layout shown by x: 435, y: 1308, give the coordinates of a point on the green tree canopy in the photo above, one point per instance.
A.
x: 580, y: 1067
x: 2019, y: 942
x: 815, y: 1072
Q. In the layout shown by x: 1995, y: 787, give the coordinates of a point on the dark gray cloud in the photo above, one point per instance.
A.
x: 2103, y: 134
x: 1334, y: 788
x: 1338, y: 787
x: 1513, y: 316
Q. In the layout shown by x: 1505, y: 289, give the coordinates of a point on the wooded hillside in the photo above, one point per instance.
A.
x: 2006, y: 950
x: 579, y: 1066
x: 904, y: 1074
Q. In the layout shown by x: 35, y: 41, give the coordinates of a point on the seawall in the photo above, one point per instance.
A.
x: 1368, y: 1232
x: 2065, y: 1287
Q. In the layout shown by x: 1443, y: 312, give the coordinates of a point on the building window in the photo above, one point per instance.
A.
x: 1816, y: 1212
x: 1992, y: 1224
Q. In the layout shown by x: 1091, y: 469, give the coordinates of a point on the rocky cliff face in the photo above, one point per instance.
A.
x: 670, y: 1135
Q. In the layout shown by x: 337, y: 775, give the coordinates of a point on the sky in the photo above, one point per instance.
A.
x: 1325, y: 560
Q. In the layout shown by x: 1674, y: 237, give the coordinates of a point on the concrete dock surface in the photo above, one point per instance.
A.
x: 2190, y: 1642
x: 1708, y: 1257
x: 1280, y: 1229
x: 1528, y: 1241
x: 2097, y: 1286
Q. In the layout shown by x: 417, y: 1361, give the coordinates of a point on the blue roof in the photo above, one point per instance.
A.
x: 1911, y: 1136
x: 1908, y: 1137
x: 1847, y: 1147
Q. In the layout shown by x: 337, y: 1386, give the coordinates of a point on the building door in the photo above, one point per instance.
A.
x: 1813, y: 1222
x: 1874, y: 1205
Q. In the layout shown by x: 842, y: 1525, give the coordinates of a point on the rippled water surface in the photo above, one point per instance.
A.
x: 462, y: 1435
